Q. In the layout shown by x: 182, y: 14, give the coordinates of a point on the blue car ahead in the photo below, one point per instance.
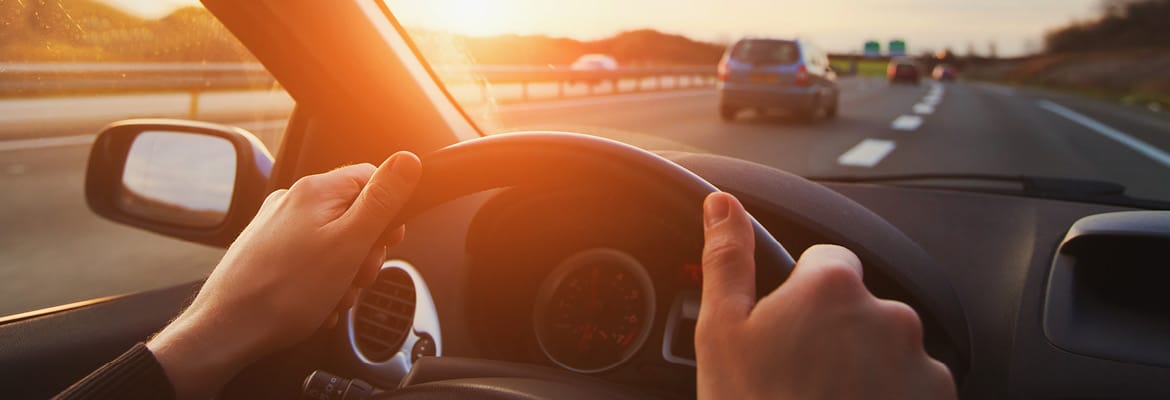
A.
x: 762, y: 74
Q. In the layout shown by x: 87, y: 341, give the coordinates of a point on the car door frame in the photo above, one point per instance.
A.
x: 356, y: 78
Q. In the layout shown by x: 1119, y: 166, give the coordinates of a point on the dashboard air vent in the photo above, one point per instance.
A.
x: 384, y: 315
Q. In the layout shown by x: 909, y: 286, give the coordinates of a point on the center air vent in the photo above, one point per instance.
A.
x: 384, y: 315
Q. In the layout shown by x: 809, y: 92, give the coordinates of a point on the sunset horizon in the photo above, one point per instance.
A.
x: 839, y: 26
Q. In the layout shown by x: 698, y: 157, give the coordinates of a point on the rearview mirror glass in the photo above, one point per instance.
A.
x: 180, y: 178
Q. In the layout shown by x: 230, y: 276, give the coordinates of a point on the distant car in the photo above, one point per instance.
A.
x: 762, y: 73
x: 594, y: 62
x: 902, y: 69
x: 944, y: 72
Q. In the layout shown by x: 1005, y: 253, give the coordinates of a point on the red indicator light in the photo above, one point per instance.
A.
x: 690, y: 275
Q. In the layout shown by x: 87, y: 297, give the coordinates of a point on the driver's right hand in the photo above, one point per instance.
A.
x: 820, y: 335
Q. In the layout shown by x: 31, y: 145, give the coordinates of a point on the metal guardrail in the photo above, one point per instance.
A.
x: 682, y: 77
x: 51, y: 79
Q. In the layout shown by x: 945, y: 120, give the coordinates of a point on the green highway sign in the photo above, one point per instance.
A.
x: 897, y: 48
x: 872, y: 49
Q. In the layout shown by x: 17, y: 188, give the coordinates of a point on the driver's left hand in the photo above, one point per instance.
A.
x: 297, y: 266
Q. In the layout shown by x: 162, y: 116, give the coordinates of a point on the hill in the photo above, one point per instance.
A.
x: 1138, y: 75
x: 88, y: 31
x: 638, y: 47
x: 1124, y: 53
x: 1123, y: 24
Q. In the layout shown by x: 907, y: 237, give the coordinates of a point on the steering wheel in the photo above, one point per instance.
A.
x: 554, y: 158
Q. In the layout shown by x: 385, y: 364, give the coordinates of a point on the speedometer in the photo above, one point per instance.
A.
x: 594, y: 311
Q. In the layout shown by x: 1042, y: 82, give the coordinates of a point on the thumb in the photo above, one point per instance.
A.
x: 384, y: 195
x: 729, y: 266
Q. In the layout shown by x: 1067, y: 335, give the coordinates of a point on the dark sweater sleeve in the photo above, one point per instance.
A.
x: 136, y: 374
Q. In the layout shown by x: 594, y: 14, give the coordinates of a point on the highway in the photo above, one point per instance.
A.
x: 55, y: 251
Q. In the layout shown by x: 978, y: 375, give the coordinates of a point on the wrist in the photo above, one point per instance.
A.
x: 200, y: 354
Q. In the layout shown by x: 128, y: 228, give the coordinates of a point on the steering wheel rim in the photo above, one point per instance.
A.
x: 550, y: 158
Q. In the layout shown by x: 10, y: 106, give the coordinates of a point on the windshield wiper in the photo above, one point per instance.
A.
x: 1072, y: 189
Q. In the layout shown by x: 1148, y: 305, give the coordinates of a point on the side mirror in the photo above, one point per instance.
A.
x: 194, y: 181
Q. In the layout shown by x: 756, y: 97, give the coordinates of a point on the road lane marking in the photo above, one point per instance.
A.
x: 1135, y: 144
x: 42, y: 143
x: 620, y: 98
x: 923, y: 108
x: 906, y: 123
x: 867, y: 153
x: 87, y: 139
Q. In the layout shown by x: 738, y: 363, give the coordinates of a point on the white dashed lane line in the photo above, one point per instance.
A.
x: 906, y: 123
x: 867, y: 153
x: 870, y: 152
x: 1143, y: 148
x: 923, y: 108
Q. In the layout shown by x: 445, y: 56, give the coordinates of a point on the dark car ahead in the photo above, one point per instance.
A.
x: 764, y: 74
x: 902, y: 69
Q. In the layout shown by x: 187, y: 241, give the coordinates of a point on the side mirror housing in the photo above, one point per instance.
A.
x: 189, y: 180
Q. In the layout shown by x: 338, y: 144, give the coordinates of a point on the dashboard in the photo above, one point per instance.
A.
x: 604, y: 282
x: 600, y: 281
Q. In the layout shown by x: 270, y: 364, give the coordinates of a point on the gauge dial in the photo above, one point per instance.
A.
x: 594, y: 311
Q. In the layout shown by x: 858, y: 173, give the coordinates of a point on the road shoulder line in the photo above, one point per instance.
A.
x: 1124, y: 139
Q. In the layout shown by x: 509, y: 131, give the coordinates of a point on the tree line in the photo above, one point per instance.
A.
x: 638, y: 47
x: 89, y: 31
x: 1122, y: 24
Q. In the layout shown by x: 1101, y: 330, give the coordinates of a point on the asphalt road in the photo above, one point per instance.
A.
x: 53, y: 250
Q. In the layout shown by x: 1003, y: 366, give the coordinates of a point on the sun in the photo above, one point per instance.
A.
x: 480, y: 17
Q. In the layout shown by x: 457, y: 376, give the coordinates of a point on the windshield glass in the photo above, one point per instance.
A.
x: 763, y: 51
x: 1037, y: 88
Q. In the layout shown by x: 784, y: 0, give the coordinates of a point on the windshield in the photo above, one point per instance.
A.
x: 763, y: 51
x: 1036, y: 88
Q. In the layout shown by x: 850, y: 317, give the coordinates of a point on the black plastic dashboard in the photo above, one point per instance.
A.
x: 996, y: 254
x: 484, y: 257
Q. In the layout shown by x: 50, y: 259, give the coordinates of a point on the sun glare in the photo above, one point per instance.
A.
x: 481, y: 18
x: 151, y: 8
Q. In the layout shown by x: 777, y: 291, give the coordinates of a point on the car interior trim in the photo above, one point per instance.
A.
x: 426, y: 323
x: 685, y: 310
x: 56, y: 309
x: 387, y: 25
x: 1103, y: 297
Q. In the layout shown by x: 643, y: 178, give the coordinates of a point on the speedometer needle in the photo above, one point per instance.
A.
x: 593, y: 295
x: 587, y: 331
x: 586, y: 335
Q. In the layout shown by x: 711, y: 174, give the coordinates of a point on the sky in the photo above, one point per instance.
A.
x: 1014, y: 26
